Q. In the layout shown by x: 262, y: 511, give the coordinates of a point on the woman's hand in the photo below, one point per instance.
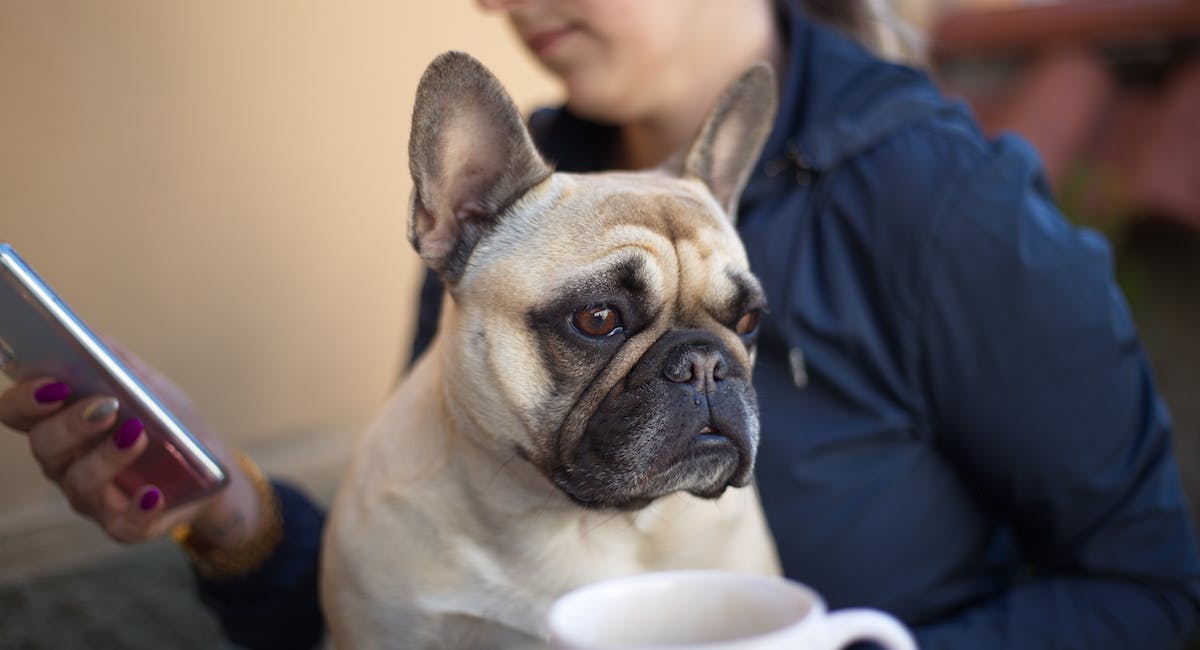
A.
x: 80, y: 448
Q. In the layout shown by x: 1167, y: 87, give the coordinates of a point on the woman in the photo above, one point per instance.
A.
x: 959, y: 425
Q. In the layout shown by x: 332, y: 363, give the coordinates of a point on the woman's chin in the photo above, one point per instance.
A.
x: 583, y: 100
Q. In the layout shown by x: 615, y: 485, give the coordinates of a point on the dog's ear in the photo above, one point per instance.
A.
x: 724, y: 153
x: 470, y: 156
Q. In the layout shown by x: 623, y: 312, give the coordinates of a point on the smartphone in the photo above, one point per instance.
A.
x: 41, y: 337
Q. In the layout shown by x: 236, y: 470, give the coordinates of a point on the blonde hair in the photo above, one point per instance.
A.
x: 874, y: 23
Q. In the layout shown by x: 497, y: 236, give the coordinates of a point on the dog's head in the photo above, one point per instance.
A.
x: 605, y: 323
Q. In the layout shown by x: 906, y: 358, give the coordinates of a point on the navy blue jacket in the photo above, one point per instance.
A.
x: 959, y: 425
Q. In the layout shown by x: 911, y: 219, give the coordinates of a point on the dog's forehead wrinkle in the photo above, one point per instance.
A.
x: 654, y: 220
x: 704, y: 299
x: 733, y: 293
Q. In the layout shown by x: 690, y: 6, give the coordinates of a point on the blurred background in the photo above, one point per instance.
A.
x: 222, y: 186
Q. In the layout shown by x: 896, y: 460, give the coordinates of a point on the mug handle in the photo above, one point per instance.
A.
x: 847, y: 626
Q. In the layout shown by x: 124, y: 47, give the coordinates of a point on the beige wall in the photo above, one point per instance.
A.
x: 222, y: 186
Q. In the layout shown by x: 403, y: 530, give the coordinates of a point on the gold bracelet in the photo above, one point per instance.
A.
x: 222, y: 563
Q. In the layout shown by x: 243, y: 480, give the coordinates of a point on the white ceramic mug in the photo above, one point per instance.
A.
x: 712, y: 610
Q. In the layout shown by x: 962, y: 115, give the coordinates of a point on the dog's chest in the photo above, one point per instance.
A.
x: 513, y: 574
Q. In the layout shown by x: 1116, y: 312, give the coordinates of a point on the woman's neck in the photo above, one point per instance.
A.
x: 654, y: 137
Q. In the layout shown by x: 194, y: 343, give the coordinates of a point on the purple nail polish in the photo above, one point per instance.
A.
x: 54, y: 392
x: 128, y: 434
x: 149, y: 499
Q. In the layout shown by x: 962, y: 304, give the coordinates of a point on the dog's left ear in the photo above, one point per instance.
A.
x: 724, y: 153
x: 470, y: 156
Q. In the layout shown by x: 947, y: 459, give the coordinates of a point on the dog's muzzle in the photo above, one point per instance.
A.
x: 684, y: 418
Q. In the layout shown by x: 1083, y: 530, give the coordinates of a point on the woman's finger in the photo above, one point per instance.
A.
x: 146, y: 516
x: 84, y: 480
x: 60, y: 439
x: 105, y: 504
x: 136, y: 521
x: 25, y: 403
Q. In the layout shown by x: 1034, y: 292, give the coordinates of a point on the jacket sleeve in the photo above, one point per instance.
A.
x: 276, y: 607
x: 1043, y: 397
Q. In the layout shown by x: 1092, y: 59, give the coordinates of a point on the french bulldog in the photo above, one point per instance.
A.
x: 585, y: 411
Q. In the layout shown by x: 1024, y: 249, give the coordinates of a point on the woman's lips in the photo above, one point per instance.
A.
x: 542, y: 43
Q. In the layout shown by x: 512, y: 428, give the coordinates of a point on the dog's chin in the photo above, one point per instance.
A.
x: 714, y: 465
x: 708, y: 467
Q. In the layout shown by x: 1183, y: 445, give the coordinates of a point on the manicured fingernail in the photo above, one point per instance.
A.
x: 150, y: 499
x: 100, y: 410
x: 128, y: 434
x: 53, y: 392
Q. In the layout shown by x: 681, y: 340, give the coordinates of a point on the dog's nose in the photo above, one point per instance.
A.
x: 698, y: 364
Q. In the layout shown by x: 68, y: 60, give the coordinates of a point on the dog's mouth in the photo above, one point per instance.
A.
x: 711, y: 441
x: 703, y: 463
x: 710, y: 437
x: 729, y: 459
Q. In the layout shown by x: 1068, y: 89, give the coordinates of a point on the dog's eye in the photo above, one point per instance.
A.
x: 748, y: 322
x: 598, y: 321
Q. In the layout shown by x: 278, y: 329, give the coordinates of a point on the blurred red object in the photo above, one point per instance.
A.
x: 1050, y: 24
x: 1111, y: 87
